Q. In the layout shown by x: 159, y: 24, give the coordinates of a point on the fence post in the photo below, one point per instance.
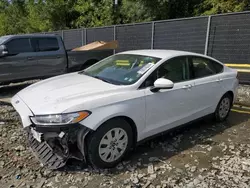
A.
x: 114, y: 37
x: 62, y: 34
x: 82, y: 35
x: 207, y: 35
x: 153, y: 33
x: 85, y: 35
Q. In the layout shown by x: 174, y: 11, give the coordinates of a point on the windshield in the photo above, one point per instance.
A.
x: 121, y: 69
x: 3, y: 39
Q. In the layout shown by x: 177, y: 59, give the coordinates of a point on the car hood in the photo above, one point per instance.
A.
x: 57, y: 94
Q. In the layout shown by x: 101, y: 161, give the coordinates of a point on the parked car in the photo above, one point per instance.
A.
x: 102, y: 112
x: 34, y: 56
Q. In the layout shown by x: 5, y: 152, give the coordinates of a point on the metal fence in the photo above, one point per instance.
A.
x: 225, y: 37
x: 229, y: 38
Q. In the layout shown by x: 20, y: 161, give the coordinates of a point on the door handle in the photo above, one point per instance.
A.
x: 30, y: 58
x: 187, y: 86
x: 219, y: 80
x: 58, y: 57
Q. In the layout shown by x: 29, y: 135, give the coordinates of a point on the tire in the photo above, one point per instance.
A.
x: 103, y: 147
x: 223, y: 108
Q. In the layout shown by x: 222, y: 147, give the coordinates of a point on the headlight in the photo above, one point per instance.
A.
x: 60, y: 119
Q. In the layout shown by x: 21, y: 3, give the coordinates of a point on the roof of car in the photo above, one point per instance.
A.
x: 29, y: 35
x: 160, y: 53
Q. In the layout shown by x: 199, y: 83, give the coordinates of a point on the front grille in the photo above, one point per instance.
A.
x: 45, y: 154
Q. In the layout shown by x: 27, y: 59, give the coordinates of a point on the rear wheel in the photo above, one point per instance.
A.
x: 107, y: 146
x: 223, y: 108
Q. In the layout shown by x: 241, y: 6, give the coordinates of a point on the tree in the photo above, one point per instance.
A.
x: 94, y: 13
x: 29, y: 16
x: 38, y: 17
x: 133, y: 11
x: 169, y: 9
x: 99, y: 13
x: 61, y: 13
x: 13, y: 18
x: 209, y: 7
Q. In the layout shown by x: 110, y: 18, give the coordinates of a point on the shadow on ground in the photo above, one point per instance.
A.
x: 197, y: 133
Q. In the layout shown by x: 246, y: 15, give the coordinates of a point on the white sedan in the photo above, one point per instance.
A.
x: 100, y: 113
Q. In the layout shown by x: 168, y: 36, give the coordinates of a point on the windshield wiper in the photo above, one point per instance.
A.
x: 103, y: 79
x: 82, y: 72
x: 97, y: 77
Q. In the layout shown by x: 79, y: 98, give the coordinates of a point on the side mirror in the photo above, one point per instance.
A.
x: 162, y: 83
x: 3, y: 51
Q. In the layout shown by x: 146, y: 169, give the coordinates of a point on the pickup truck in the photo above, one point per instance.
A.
x: 37, y: 56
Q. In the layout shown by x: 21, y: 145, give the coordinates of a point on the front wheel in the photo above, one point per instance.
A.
x: 107, y: 146
x: 223, y: 108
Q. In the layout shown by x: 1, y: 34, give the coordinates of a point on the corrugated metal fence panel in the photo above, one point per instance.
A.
x: 229, y: 39
x: 132, y: 37
x: 73, y: 38
x: 100, y: 34
x: 187, y: 34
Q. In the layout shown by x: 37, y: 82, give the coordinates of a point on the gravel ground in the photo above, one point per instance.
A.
x: 204, y: 154
x: 243, y: 95
x: 7, y: 91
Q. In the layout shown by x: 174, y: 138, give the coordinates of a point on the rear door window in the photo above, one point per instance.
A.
x: 17, y: 46
x: 47, y: 44
x: 217, y: 66
x: 202, y: 67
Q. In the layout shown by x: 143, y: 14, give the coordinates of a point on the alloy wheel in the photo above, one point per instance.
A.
x: 113, y: 144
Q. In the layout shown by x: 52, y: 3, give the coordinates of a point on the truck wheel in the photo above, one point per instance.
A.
x: 223, y: 108
x: 107, y: 146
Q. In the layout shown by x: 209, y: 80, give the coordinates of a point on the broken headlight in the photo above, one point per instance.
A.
x: 60, y: 119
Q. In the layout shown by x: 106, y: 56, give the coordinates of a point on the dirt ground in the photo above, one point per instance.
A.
x: 203, y: 154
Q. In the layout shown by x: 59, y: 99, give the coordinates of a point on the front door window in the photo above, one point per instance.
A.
x: 175, y: 69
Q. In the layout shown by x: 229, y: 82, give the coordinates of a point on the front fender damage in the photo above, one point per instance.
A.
x: 57, y: 147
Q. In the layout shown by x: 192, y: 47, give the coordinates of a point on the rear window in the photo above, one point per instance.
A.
x: 17, y: 46
x: 47, y: 44
x: 218, y: 67
x: 202, y: 67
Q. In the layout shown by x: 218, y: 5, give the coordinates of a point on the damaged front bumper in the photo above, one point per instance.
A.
x: 54, y: 145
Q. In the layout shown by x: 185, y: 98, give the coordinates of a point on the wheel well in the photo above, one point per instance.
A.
x: 231, y: 94
x: 133, y: 126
